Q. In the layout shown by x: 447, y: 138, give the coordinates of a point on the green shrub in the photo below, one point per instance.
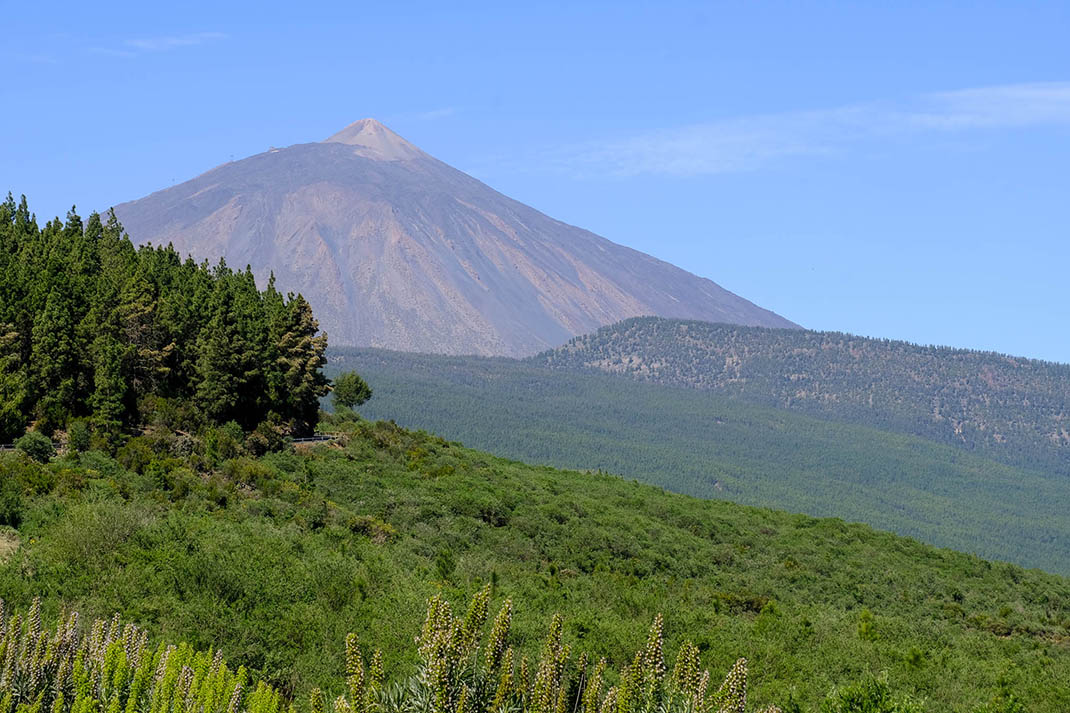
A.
x: 32, y: 477
x: 99, y: 464
x: 135, y: 454
x: 106, y: 438
x: 445, y: 563
x: 78, y: 436
x: 1003, y: 703
x: 182, y: 481
x: 37, y: 446
x: 249, y: 472
x: 870, y: 695
x: 158, y: 471
x: 372, y: 527
x: 224, y: 442
x: 70, y: 480
x: 268, y: 436
x: 10, y: 501
x: 867, y: 627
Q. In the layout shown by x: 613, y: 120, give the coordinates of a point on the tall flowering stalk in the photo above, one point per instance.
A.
x: 112, y: 669
x: 457, y: 675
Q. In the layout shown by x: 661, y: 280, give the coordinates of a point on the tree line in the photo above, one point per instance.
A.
x: 97, y: 330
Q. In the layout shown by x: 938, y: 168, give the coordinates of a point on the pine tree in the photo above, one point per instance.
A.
x: 252, y: 350
x: 301, y: 359
x: 148, y: 350
x: 217, y: 382
x: 13, y: 385
x: 52, y: 361
x: 350, y: 390
x: 110, y: 386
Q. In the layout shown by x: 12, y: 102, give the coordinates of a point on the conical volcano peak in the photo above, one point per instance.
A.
x: 397, y: 250
x: 381, y: 142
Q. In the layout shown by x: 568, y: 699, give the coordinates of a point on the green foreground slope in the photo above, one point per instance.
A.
x: 705, y: 445
x: 275, y: 559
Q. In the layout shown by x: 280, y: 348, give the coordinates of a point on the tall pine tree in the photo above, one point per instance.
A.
x: 13, y: 385
x: 52, y: 362
x: 302, y: 356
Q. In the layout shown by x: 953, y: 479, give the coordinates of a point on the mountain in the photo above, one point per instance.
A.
x: 709, y: 445
x: 1013, y: 409
x: 396, y: 249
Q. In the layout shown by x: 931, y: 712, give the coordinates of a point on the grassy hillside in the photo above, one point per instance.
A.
x: 1012, y: 409
x: 275, y: 559
x: 461, y: 669
x: 706, y: 445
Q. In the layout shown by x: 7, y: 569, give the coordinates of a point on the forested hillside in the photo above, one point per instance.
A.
x: 1013, y: 409
x: 109, y: 338
x: 707, y: 445
x: 270, y: 561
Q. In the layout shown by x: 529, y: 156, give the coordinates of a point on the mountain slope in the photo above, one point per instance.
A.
x: 273, y: 560
x: 396, y: 249
x: 706, y: 445
x: 1013, y: 409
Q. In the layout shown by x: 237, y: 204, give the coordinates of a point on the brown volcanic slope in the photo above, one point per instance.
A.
x: 396, y: 249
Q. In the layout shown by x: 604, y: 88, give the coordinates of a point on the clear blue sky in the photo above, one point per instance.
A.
x: 889, y: 169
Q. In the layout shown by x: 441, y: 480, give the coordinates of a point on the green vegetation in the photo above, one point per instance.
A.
x: 178, y: 499
x: 113, y: 669
x: 92, y: 327
x: 1011, y: 409
x: 36, y: 446
x: 274, y: 559
x: 350, y: 390
x: 706, y: 445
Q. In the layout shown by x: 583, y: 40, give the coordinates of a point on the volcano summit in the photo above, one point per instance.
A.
x: 395, y: 249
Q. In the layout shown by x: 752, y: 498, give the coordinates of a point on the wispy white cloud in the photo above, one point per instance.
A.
x: 434, y: 114
x: 1005, y: 106
x: 140, y: 45
x: 750, y: 142
x: 161, y: 44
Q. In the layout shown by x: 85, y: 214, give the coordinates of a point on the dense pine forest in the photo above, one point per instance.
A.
x: 1012, y: 409
x: 708, y: 445
x: 99, y: 339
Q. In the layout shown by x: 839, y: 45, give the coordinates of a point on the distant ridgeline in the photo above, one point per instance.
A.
x: 92, y: 327
x: 1012, y: 409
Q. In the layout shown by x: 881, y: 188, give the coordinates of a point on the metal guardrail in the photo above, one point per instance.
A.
x: 318, y: 438
x: 11, y: 446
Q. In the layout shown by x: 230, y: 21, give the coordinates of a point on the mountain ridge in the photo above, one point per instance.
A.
x: 396, y: 249
x: 1014, y: 409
